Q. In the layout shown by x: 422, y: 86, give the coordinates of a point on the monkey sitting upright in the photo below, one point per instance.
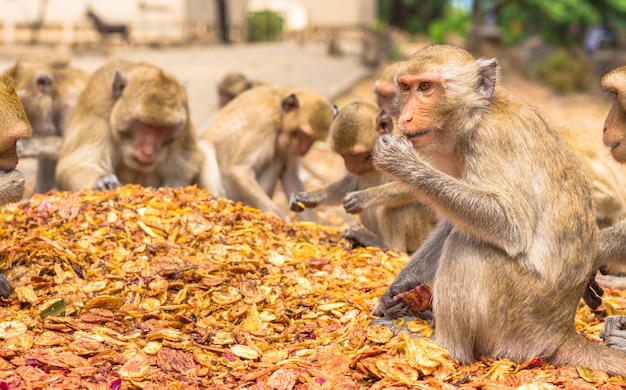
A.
x: 130, y: 125
x: 516, y: 247
x: 14, y: 125
x: 400, y: 224
x: 48, y: 91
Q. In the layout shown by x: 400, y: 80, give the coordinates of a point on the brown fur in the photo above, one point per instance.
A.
x: 258, y: 139
x: 48, y: 91
x: 391, y: 216
x: 102, y: 146
x: 516, y: 251
x: 232, y: 85
x: 14, y: 126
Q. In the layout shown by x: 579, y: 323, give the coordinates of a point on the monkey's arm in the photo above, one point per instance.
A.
x: 291, y: 183
x: 480, y: 212
x: 329, y: 195
x: 612, y: 247
x: 240, y: 182
x: 389, y: 194
x: 40, y: 147
x: 419, y: 270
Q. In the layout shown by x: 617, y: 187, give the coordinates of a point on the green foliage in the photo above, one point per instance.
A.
x: 264, y: 25
x: 565, y: 72
x: 455, y: 20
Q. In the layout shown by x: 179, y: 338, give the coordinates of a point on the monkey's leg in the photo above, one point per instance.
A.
x: 420, y: 269
x: 360, y: 236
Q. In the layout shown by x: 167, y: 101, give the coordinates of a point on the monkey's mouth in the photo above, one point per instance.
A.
x: 614, y: 145
x: 416, y: 134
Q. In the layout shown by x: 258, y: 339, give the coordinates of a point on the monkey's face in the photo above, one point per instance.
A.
x: 14, y: 126
x: 419, y: 95
x: 145, y: 147
x: 358, y: 163
x: 296, y: 142
x: 35, y: 90
x: 614, y: 131
x: 384, y: 95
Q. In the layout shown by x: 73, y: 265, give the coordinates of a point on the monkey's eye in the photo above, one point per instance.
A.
x: 404, y: 86
x: 424, y: 86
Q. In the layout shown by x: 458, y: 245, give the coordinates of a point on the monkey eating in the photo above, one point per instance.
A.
x: 515, y: 250
x: 257, y: 140
x: 131, y: 124
x: 48, y: 92
x: 399, y: 223
x: 14, y: 126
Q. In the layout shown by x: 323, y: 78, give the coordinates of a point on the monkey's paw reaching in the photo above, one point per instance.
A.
x: 389, y: 151
x: 353, y: 204
x: 298, y: 201
x: 107, y: 182
x: 614, y: 332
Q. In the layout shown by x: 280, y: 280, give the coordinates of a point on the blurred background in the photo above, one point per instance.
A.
x: 581, y: 37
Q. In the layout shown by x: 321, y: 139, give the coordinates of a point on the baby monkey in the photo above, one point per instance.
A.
x: 398, y: 222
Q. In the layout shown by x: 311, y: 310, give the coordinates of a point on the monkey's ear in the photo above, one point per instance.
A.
x: 119, y: 83
x: 384, y: 124
x: 335, y: 111
x: 290, y: 103
x: 43, y: 83
x: 487, y: 71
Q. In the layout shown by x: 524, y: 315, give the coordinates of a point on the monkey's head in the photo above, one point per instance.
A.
x: 614, y: 131
x: 306, y: 117
x: 14, y: 125
x: 231, y: 86
x: 35, y: 87
x: 442, y: 89
x: 150, y: 113
x: 353, y: 135
x: 385, y: 86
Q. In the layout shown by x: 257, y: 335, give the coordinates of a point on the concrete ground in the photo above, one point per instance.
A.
x: 201, y: 68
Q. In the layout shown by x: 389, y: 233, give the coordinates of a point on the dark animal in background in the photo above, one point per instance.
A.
x: 106, y: 29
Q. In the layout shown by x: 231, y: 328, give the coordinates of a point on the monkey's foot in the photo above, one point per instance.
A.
x: 401, y: 324
x: 614, y: 332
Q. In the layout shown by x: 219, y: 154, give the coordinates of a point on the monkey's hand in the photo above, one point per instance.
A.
x: 390, y: 305
x: 359, y: 236
x: 389, y: 150
x: 614, y: 332
x: 593, y: 294
x: 107, y: 182
x: 5, y: 287
x: 353, y: 204
x: 298, y: 201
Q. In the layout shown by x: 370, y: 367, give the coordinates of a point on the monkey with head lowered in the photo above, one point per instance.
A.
x: 515, y: 250
x: 400, y: 224
x: 232, y: 85
x: 48, y: 91
x: 258, y: 139
x: 14, y: 126
x: 131, y: 124
x: 385, y: 86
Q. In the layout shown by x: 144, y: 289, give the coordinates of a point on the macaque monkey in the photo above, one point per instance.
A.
x: 48, y: 92
x: 401, y: 225
x: 607, y: 176
x: 611, y: 256
x: 232, y: 85
x: 515, y: 250
x: 385, y: 86
x: 14, y: 126
x: 130, y: 125
x: 259, y: 138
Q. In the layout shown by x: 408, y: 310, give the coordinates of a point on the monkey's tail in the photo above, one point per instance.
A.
x: 579, y: 351
x: 210, y: 176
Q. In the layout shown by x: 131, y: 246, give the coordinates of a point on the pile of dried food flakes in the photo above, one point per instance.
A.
x: 171, y: 288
